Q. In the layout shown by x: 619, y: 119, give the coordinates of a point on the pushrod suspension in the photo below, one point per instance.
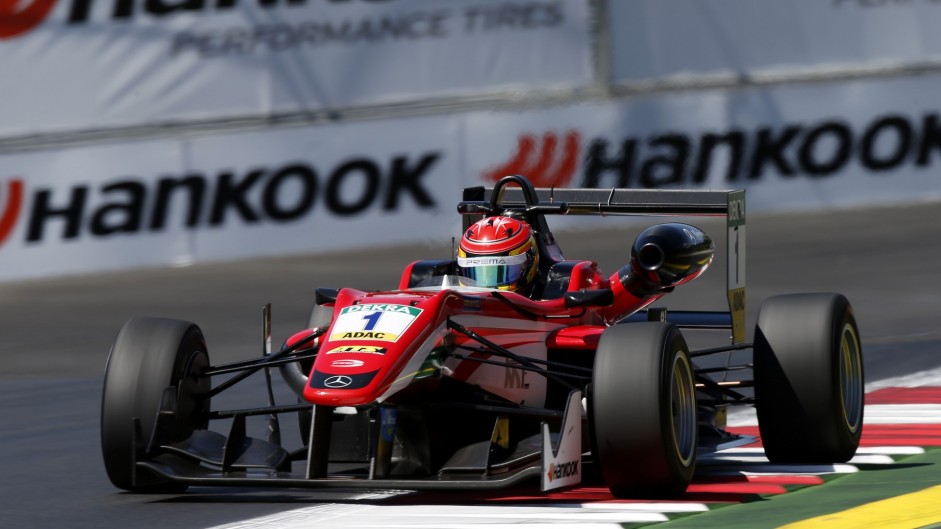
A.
x: 723, y: 349
x: 288, y: 408
x: 249, y: 371
x: 547, y: 363
x: 505, y: 352
x: 723, y: 369
x: 544, y: 372
x: 239, y: 366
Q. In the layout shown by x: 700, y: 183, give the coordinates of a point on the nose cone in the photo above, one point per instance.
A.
x: 370, y: 342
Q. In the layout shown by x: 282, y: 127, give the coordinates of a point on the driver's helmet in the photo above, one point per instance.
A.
x: 499, y: 252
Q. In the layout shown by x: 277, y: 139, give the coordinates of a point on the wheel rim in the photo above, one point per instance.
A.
x: 683, y: 407
x: 851, y: 378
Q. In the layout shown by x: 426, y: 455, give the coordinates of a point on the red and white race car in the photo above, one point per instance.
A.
x: 452, y: 381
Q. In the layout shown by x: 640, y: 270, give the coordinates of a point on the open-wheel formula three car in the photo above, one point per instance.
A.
x: 442, y: 383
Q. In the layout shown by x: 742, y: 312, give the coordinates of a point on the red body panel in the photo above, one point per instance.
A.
x: 371, y: 357
x: 578, y: 337
x: 379, y: 341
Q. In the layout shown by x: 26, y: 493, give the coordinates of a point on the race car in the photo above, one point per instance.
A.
x: 457, y: 379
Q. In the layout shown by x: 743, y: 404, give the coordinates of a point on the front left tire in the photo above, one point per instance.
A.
x: 643, y: 410
x: 148, y: 356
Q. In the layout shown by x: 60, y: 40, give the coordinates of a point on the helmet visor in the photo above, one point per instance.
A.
x: 494, y: 271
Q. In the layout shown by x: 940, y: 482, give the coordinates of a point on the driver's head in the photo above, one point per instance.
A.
x: 499, y: 252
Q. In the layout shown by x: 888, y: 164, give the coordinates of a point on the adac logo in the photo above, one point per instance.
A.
x: 11, y: 202
x: 543, y: 160
x: 19, y: 16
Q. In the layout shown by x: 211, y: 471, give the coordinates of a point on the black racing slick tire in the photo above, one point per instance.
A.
x: 809, y: 390
x: 148, y: 356
x: 642, y: 410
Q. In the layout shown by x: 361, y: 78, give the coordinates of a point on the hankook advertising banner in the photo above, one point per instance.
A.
x: 380, y: 183
x: 686, y: 39
x: 175, y: 202
x: 72, y: 65
x: 792, y: 147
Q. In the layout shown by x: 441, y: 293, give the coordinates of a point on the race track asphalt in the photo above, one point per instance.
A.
x: 55, y: 335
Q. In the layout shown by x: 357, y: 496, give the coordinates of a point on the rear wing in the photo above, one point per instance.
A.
x: 480, y: 201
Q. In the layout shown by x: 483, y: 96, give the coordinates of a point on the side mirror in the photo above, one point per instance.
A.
x: 602, y: 297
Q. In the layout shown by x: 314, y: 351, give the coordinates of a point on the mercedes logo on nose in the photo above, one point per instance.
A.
x: 337, y: 381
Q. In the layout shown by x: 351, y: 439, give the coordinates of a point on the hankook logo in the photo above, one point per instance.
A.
x: 11, y: 201
x: 674, y: 159
x: 542, y: 160
x: 19, y: 16
x: 131, y: 205
x: 337, y: 381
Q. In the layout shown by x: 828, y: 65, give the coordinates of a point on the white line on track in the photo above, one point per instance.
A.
x: 777, y: 470
x: 550, y: 525
x: 902, y: 414
x: 750, y: 459
x: 873, y: 414
x: 891, y: 450
x: 648, y: 507
x: 451, y: 516
x: 306, y: 517
x: 884, y: 450
x: 742, y: 416
x: 931, y: 377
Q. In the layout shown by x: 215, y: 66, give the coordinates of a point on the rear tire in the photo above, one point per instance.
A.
x: 809, y: 378
x: 643, y: 410
x: 148, y: 355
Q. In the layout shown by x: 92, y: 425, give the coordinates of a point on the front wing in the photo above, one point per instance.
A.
x: 208, y: 458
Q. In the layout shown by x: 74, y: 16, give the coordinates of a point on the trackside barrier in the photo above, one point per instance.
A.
x: 379, y: 183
